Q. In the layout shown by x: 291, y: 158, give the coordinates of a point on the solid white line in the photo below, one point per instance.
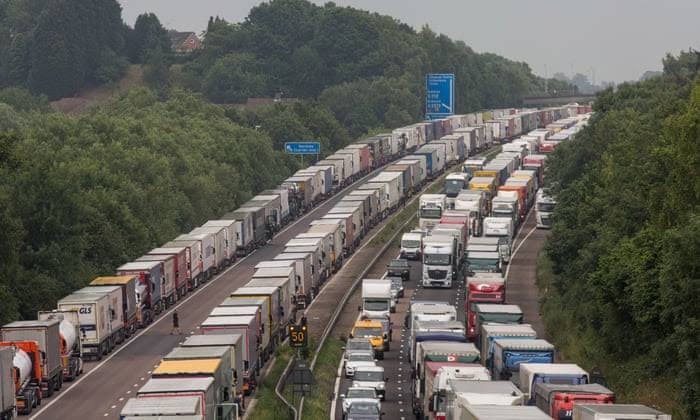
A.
x: 164, y: 315
x: 512, y: 255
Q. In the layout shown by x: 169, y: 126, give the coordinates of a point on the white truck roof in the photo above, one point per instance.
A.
x: 503, y: 412
x: 181, y: 405
x: 498, y: 309
x: 376, y: 288
x: 618, y: 411
x: 528, y: 370
x: 412, y: 236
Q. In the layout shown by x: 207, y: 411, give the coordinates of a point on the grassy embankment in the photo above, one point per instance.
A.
x: 267, y: 405
x: 627, y: 378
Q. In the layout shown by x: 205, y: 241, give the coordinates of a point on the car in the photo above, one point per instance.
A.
x: 399, y: 268
x: 397, y: 284
x: 358, y: 359
x: 358, y: 393
x: 394, y: 301
x: 358, y: 344
x: 364, y: 410
x: 371, y: 377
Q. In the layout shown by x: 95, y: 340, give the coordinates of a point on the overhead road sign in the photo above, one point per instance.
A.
x: 439, y: 95
x: 302, y: 148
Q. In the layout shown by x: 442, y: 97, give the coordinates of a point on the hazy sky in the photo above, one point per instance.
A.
x: 617, y: 39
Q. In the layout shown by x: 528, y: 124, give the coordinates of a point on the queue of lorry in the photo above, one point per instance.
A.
x: 242, y: 333
x: 488, y: 363
x: 207, y: 374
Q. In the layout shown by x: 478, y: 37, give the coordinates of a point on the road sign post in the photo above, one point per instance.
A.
x: 439, y: 95
x: 303, y: 148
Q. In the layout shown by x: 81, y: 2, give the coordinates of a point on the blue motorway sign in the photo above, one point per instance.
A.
x: 302, y: 148
x: 439, y: 95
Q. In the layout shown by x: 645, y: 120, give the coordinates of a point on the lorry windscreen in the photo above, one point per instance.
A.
x: 502, y: 212
x: 376, y: 305
x: 430, y: 212
x: 407, y: 243
x: 545, y: 207
x: 437, y: 259
x: 453, y: 187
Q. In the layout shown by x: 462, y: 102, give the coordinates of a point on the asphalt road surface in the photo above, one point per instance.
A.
x: 397, y: 368
x: 521, y: 290
x: 102, y: 391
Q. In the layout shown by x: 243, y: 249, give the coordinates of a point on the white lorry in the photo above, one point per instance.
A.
x: 376, y: 298
x: 430, y: 208
x: 617, y: 412
x: 544, y: 207
x: 505, y: 205
x: 438, y: 261
x: 502, y: 229
x: 498, y: 412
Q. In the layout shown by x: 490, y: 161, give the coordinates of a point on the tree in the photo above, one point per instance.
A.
x: 233, y: 78
x: 156, y: 72
x: 147, y: 36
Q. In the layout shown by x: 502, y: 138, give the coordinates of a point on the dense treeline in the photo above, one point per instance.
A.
x: 367, y: 68
x: 625, y: 245
x: 56, y: 47
x: 80, y: 196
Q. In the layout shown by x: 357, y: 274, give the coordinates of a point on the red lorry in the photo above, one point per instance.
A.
x: 482, y: 288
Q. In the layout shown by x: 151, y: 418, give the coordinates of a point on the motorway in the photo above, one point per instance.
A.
x: 521, y: 290
x: 103, y: 389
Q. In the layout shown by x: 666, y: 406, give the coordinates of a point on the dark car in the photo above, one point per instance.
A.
x: 399, y: 268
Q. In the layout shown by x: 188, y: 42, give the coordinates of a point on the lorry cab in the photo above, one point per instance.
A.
x: 430, y: 209
x: 558, y: 400
x: 544, y: 208
x: 502, y: 229
x: 438, y: 261
x: 455, y: 183
x: 482, y: 288
x: 532, y: 374
x: 484, y: 262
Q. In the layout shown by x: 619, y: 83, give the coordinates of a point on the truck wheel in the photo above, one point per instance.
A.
x: 50, y: 388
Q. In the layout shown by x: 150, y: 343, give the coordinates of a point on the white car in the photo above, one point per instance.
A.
x: 357, y: 359
x: 371, y: 377
x: 356, y: 394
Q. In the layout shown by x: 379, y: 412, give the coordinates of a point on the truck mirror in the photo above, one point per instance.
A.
x: 359, y: 307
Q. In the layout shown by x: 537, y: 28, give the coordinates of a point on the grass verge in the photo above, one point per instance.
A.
x: 630, y: 378
x: 268, y: 406
x: 316, y: 405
